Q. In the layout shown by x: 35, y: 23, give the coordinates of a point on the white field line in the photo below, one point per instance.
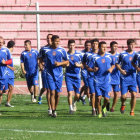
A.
x: 55, y: 132
x: 67, y: 133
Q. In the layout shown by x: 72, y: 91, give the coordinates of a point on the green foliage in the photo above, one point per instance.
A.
x: 18, y: 72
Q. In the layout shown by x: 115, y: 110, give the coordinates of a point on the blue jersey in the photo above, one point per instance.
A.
x: 86, y: 59
x: 125, y: 61
x: 4, y: 54
x: 102, y: 76
x: 55, y: 55
x: 72, y: 70
x: 11, y: 72
x: 29, y: 58
x: 136, y: 60
x: 115, y: 75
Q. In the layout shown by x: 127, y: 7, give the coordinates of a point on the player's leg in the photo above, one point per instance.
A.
x: 116, y: 91
x: 133, y: 91
x: 53, y: 101
x: 48, y: 97
x: 10, y: 92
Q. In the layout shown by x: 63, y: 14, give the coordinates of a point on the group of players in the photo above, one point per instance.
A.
x: 101, y: 72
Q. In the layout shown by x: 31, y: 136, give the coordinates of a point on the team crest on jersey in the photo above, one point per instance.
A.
x: 54, y: 53
x: 103, y: 60
x: 36, y: 81
x: 130, y: 58
x: 71, y: 58
x: 30, y: 54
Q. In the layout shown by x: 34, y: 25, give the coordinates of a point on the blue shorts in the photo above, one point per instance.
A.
x: 73, y: 84
x: 53, y: 84
x: 3, y: 84
x: 85, y: 80
x: 125, y: 88
x: 102, y: 90
x: 116, y: 88
x: 138, y: 82
x: 91, y: 85
x: 44, y: 80
x: 31, y: 80
x: 10, y: 81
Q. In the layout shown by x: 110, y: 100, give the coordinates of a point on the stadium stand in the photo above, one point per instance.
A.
x: 108, y: 27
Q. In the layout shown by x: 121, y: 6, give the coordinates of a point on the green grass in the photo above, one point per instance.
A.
x: 30, y: 121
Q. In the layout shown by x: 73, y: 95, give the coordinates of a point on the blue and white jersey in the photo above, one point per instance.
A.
x: 29, y: 58
x: 55, y: 55
x: 86, y: 59
x: 136, y: 60
x: 4, y: 54
x: 125, y: 60
x: 72, y: 70
x: 11, y: 72
x: 115, y: 75
x: 102, y: 76
x: 84, y: 72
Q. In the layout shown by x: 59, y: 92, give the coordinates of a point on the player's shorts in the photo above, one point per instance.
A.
x: 138, y: 82
x: 102, y: 90
x: 31, y: 80
x: 73, y: 84
x: 85, y: 80
x: 115, y: 88
x: 3, y: 83
x: 10, y: 81
x: 44, y: 80
x: 127, y: 87
x: 55, y: 84
x: 91, y: 85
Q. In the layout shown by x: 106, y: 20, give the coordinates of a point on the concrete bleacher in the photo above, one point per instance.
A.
x: 108, y: 27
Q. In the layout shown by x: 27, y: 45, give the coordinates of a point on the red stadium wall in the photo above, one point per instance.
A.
x: 106, y: 27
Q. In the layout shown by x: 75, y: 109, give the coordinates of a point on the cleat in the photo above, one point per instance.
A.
x: 99, y: 115
x: 54, y: 115
x: 111, y: 110
x: 39, y: 100
x: 104, y: 112
x: 132, y: 114
x: 93, y: 113
x: 71, y: 112
x: 8, y: 105
x: 34, y: 100
x: 122, y: 109
x: 49, y: 112
x: 108, y: 106
x: 74, y: 107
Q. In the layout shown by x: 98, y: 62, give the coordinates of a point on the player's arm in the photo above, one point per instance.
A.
x: 92, y: 67
x: 8, y: 62
x: 135, y: 66
x: 22, y: 68
x: 12, y: 68
x: 79, y: 65
x: 111, y: 69
x: 120, y: 69
x: 63, y: 63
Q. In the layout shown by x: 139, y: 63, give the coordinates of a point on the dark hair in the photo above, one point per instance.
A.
x: 112, y: 43
x: 71, y: 41
x: 27, y: 41
x: 87, y: 41
x: 94, y: 40
x: 10, y: 44
x: 102, y: 42
x: 129, y: 41
x: 49, y: 34
x: 54, y: 37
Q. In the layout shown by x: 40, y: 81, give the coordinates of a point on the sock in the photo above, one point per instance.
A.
x: 74, y: 102
x: 93, y: 109
x: 71, y: 108
x: 89, y: 99
x: 34, y: 97
x: 84, y: 97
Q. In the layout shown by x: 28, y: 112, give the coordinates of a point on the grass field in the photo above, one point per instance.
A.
x: 30, y: 121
